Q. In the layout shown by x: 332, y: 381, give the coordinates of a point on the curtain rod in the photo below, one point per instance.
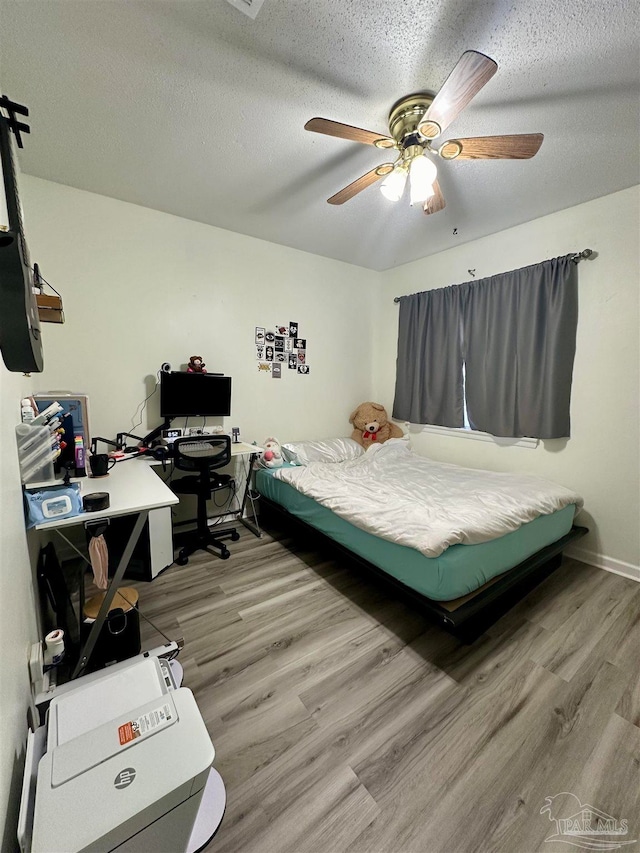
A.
x: 579, y: 256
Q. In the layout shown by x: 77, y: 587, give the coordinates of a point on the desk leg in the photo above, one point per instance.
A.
x: 85, y: 652
x: 160, y: 540
x: 253, y: 526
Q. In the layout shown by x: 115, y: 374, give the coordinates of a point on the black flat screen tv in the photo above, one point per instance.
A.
x: 187, y: 395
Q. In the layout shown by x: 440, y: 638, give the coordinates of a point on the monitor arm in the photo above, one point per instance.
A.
x: 97, y: 438
x: 155, y: 433
x: 120, y: 442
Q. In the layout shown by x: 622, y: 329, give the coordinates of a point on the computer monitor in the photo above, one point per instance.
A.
x: 186, y: 395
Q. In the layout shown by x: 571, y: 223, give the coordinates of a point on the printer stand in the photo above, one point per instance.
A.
x: 214, y: 799
x: 210, y: 813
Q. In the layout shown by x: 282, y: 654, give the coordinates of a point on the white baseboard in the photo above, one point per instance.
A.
x: 609, y: 564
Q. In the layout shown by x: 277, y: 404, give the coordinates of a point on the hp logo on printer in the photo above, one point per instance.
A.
x: 124, y: 778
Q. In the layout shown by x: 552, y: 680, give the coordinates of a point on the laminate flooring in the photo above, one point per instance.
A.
x: 343, y: 721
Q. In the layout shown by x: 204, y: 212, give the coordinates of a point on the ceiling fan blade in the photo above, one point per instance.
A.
x: 436, y: 202
x: 519, y: 146
x: 346, y: 131
x: 465, y: 81
x: 361, y: 184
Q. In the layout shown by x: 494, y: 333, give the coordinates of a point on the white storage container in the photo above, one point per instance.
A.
x: 36, y: 452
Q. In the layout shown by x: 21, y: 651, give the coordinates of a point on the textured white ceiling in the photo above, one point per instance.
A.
x: 192, y: 108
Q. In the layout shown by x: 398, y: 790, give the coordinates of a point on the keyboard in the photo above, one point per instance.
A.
x: 201, y: 448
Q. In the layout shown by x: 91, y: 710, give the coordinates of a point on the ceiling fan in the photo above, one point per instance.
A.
x: 416, y: 120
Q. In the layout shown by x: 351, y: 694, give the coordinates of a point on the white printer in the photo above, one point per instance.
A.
x: 126, y: 763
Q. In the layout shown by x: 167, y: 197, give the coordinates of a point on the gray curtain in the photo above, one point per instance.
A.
x: 429, y: 364
x: 519, y: 341
x: 515, y: 335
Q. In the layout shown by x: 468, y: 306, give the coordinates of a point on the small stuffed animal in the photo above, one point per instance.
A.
x: 372, y: 425
x: 272, y: 454
x: 196, y: 364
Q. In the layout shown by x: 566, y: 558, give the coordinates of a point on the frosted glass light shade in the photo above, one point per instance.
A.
x: 422, y: 174
x: 393, y: 185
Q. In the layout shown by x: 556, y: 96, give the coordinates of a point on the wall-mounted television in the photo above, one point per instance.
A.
x: 186, y: 395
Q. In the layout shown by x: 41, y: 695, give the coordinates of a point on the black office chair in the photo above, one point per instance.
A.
x: 203, y: 454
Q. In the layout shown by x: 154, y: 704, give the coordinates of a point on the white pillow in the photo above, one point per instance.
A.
x: 323, y: 450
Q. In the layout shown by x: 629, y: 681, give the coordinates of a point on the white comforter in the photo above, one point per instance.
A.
x: 398, y: 495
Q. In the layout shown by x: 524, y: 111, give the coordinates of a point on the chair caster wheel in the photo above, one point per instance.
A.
x: 224, y: 555
x: 235, y: 536
x: 182, y: 559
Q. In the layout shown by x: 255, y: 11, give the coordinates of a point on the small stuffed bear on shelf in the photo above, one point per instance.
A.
x: 196, y: 364
x: 372, y: 425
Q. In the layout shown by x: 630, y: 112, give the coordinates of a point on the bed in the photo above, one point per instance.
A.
x: 466, y: 543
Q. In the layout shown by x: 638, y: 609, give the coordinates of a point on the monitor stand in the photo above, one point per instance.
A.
x: 157, y: 432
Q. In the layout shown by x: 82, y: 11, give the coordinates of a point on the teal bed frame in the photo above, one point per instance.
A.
x: 477, y: 610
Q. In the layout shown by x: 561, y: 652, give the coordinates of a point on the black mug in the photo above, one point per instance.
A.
x: 100, y: 464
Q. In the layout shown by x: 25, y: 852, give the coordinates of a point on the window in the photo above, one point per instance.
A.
x: 496, y: 354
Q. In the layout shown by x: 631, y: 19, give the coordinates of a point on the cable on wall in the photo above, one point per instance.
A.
x: 140, y: 411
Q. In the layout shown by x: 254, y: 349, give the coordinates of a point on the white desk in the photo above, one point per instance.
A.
x: 240, y: 448
x: 133, y: 489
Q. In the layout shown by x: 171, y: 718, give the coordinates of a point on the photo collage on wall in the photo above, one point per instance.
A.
x: 281, y: 348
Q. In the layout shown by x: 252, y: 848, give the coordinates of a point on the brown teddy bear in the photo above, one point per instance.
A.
x: 196, y: 364
x: 371, y: 424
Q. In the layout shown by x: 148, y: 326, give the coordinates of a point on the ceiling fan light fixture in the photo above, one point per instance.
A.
x: 385, y: 143
x: 414, y: 122
x: 422, y: 174
x: 429, y: 128
x: 393, y: 185
x: 450, y: 149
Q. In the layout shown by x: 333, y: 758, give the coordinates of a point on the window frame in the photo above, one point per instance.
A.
x: 476, y: 435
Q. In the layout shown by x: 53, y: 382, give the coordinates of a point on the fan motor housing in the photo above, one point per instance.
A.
x: 406, y: 114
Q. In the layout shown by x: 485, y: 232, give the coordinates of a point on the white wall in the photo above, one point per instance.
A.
x: 17, y: 610
x: 142, y: 287
x: 601, y: 459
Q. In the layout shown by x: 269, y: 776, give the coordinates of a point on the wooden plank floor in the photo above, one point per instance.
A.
x: 344, y: 721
